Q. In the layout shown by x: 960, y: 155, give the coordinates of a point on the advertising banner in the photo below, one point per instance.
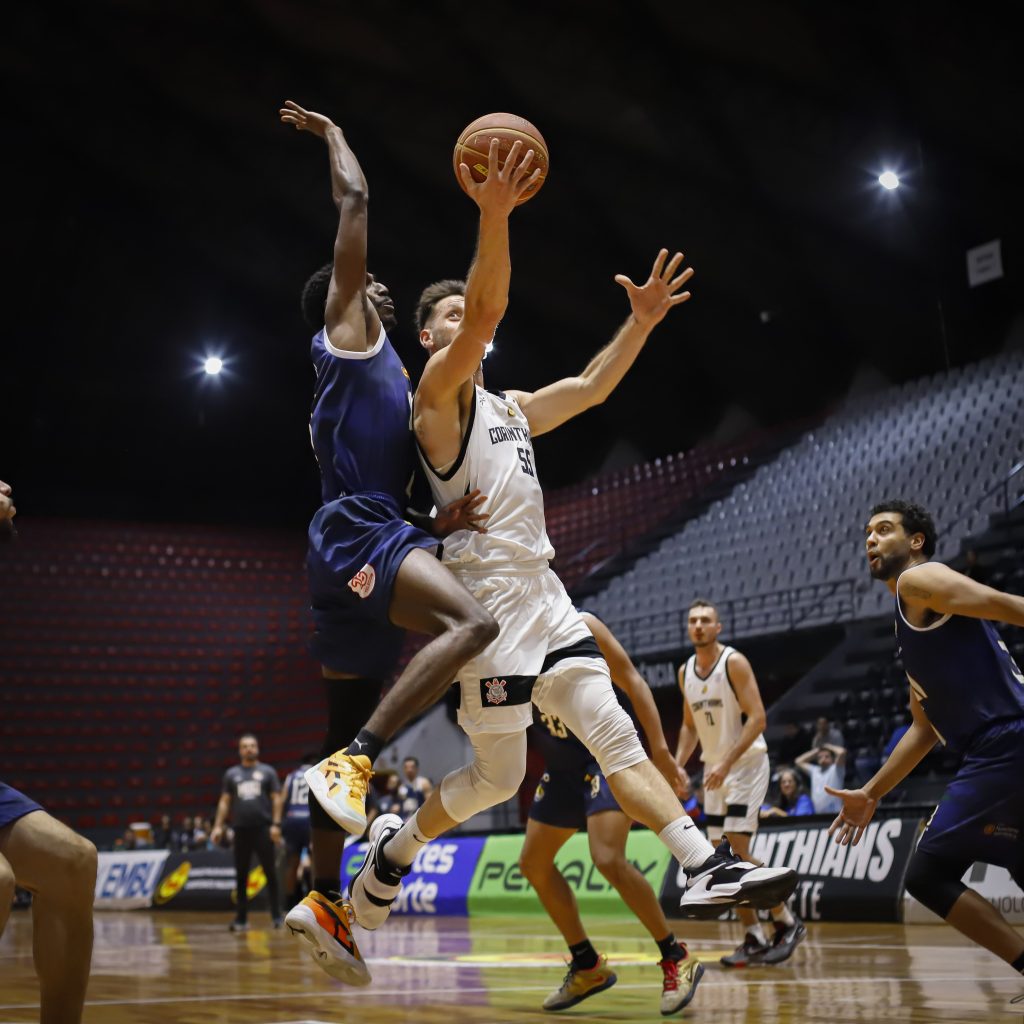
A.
x: 992, y: 883
x: 127, y: 880
x: 205, y: 880
x: 439, y: 879
x: 499, y: 886
x: 837, y: 883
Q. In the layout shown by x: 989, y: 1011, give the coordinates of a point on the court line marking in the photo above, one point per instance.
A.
x: 465, y: 990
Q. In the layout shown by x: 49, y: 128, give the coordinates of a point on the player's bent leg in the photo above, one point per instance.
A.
x: 492, y: 778
x: 7, y: 886
x: 537, y: 863
x: 427, y: 598
x: 59, y: 867
x: 935, y: 882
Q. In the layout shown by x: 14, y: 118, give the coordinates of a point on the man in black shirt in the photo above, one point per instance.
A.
x: 252, y: 794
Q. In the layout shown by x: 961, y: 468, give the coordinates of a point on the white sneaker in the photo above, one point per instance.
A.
x: 377, y: 883
x: 324, y: 927
x: 338, y: 783
x: 724, y: 881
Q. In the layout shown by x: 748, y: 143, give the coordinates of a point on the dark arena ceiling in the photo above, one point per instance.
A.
x: 157, y: 211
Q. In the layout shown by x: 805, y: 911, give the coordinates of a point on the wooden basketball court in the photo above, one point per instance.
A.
x: 153, y: 967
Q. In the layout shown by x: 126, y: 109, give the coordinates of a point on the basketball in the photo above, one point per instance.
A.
x: 475, y: 141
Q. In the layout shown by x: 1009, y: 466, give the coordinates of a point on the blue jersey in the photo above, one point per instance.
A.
x: 296, y: 794
x: 360, y: 424
x: 963, y: 675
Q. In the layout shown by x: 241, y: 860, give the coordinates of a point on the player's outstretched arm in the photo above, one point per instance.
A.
x: 946, y: 591
x: 553, y: 405
x: 351, y: 319
x: 859, y: 804
x: 688, y: 738
x: 626, y: 677
x: 487, y: 284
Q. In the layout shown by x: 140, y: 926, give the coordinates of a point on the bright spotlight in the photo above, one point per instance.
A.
x: 888, y: 180
x: 213, y: 365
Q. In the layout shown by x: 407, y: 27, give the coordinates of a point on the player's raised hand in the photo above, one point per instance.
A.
x: 852, y: 820
x: 461, y: 514
x: 499, y: 192
x: 305, y: 120
x: 651, y: 300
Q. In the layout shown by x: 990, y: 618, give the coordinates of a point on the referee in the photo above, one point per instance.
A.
x: 253, y: 796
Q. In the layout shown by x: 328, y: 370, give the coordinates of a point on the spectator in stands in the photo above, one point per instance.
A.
x: 792, y: 800
x: 163, y: 834
x: 183, y: 836
x: 826, y: 735
x: 795, y: 740
x: 413, y: 788
x: 252, y: 796
x: 826, y: 766
x: 897, y: 734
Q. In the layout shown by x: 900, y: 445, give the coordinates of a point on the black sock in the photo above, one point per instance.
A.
x: 671, y: 949
x: 584, y: 956
x: 329, y: 887
x: 366, y: 744
x: 1018, y: 964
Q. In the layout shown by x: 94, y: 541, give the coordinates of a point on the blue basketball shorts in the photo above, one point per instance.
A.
x: 981, y: 815
x: 566, y: 799
x: 295, y: 833
x: 356, y: 546
x: 14, y: 805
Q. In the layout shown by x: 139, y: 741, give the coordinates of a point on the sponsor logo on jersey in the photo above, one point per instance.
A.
x: 496, y: 692
x: 363, y: 582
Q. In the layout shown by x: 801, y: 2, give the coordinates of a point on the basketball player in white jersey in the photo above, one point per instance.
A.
x: 722, y: 710
x: 544, y: 652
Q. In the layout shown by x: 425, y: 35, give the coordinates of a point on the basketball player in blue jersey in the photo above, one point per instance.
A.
x: 573, y: 794
x: 372, y: 573
x: 967, y: 692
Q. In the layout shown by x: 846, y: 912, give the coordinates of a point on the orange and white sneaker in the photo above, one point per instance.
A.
x: 339, y: 784
x: 326, y: 929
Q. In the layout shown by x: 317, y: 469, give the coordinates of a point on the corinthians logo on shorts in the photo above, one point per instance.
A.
x: 496, y: 691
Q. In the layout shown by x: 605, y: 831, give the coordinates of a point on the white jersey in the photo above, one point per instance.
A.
x: 496, y: 457
x: 716, y: 711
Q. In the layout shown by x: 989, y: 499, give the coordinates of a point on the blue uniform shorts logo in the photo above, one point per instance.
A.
x: 363, y: 581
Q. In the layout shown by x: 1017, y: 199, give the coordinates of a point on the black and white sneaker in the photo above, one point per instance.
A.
x: 786, y: 939
x: 378, y: 883
x: 725, y: 881
x: 749, y: 953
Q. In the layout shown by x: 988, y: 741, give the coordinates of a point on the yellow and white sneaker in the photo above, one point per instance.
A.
x: 326, y: 929
x: 339, y: 784
x: 580, y: 985
x: 680, y: 981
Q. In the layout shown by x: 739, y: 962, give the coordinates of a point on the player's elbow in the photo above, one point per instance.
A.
x: 350, y: 195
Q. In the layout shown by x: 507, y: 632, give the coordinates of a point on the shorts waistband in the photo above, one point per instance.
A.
x: 499, y: 568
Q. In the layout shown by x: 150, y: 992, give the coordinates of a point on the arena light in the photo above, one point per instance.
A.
x: 213, y: 365
x: 888, y: 180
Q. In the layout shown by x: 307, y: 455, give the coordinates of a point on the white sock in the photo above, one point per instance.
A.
x: 782, y: 914
x: 401, y: 849
x: 758, y: 932
x: 686, y: 842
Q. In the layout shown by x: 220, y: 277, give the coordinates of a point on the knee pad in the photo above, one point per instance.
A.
x: 611, y: 737
x: 492, y: 778
x: 935, y: 882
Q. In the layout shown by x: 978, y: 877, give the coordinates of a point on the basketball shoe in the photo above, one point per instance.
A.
x: 751, y: 952
x: 578, y: 985
x: 681, y: 978
x: 724, y: 881
x: 785, y: 940
x: 324, y: 925
x: 377, y: 883
x: 338, y: 784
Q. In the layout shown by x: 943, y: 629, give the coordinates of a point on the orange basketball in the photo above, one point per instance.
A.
x: 475, y: 142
